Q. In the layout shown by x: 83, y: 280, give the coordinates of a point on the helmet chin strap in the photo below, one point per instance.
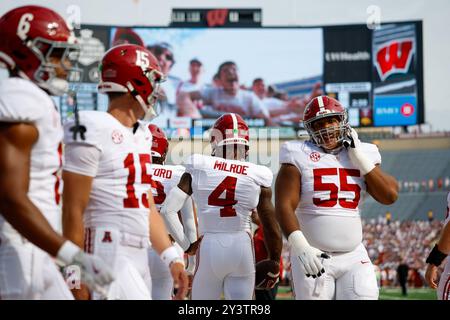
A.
x: 150, y: 113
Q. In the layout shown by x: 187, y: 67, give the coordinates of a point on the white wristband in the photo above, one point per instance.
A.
x: 170, y: 255
x: 364, y: 163
x: 67, y: 252
x: 297, y: 240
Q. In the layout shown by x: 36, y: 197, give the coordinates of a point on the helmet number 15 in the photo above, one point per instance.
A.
x: 334, y: 198
x: 142, y: 59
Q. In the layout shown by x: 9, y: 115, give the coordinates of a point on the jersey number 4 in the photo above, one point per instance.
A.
x: 229, y: 186
x: 334, y: 189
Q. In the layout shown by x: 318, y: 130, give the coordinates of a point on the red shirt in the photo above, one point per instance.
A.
x: 260, y: 248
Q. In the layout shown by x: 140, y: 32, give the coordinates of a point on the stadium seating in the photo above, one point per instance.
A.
x: 413, y: 165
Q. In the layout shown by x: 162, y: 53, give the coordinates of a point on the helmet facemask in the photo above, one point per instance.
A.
x: 46, y: 75
x: 321, y: 136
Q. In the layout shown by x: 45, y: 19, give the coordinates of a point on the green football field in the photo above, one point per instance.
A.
x: 284, y: 293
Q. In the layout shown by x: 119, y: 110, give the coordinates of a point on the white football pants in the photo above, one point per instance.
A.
x: 225, y: 264
x: 127, y: 255
x: 27, y: 272
x: 348, y: 276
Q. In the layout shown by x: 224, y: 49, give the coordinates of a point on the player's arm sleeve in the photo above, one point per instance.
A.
x: 264, y: 177
x: 187, y: 214
x: 82, y: 159
x: 286, y: 154
x: 20, y: 105
x: 373, y: 153
x: 169, y: 211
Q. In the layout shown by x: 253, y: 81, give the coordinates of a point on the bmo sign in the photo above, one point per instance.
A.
x: 395, y: 110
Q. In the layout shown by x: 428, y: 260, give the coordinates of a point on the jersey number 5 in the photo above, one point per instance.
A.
x: 334, y: 189
x: 229, y: 186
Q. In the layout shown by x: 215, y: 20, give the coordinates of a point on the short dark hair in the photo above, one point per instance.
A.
x: 195, y: 60
x: 226, y: 64
x: 257, y: 80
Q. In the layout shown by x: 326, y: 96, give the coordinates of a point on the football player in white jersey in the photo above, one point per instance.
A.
x: 164, y: 178
x: 318, y: 193
x: 226, y: 189
x: 35, y: 46
x: 107, y: 177
x: 435, y: 258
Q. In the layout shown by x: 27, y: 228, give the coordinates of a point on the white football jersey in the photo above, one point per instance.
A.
x: 225, y: 191
x: 332, y: 190
x: 447, y: 216
x: 23, y: 101
x: 164, y: 178
x: 119, y: 191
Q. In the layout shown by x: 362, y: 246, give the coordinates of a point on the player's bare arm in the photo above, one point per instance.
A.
x: 268, y: 271
x: 161, y: 243
x: 287, y: 197
x: 16, y: 141
x: 436, y: 256
x: 381, y: 186
x: 77, y: 189
x: 271, y: 229
x: 76, y: 192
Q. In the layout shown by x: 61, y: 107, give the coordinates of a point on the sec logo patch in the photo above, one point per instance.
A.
x: 117, y: 137
x: 314, y: 156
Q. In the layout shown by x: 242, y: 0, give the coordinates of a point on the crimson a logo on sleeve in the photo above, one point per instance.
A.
x: 394, y: 57
x: 314, y: 156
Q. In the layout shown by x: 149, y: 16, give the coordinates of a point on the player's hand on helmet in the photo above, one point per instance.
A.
x: 267, y: 274
x: 355, y: 152
x: 180, y: 279
x: 310, y: 257
x: 95, y: 273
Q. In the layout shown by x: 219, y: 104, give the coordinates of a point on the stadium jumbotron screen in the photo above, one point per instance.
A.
x: 269, y: 74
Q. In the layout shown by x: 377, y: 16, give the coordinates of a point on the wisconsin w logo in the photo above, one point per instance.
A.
x: 394, y: 57
x: 216, y: 17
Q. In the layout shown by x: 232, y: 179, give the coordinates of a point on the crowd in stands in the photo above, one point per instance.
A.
x: 430, y: 185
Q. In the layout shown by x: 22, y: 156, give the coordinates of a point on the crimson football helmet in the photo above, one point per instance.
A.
x: 160, y: 144
x: 229, y: 129
x: 29, y: 37
x: 132, y: 68
x: 321, y: 107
